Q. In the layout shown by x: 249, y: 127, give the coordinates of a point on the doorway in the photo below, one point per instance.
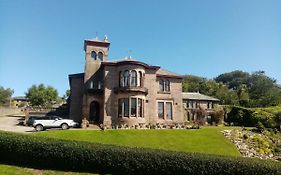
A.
x: 95, y: 112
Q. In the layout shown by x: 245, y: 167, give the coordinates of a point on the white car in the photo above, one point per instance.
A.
x: 53, y: 122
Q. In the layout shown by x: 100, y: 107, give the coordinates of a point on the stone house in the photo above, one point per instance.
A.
x: 123, y: 92
x: 192, y: 101
x: 19, y: 101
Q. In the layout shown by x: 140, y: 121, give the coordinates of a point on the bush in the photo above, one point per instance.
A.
x: 252, y: 116
x: 40, y: 152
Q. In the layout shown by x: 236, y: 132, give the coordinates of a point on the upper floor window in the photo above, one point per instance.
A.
x: 129, y: 78
x: 100, y: 55
x: 94, y: 55
x: 164, y: 85
x: 126, y: 78
x: 140, y: 79
x: 133, y: 78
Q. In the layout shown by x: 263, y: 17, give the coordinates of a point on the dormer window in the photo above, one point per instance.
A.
x: 94, y: 55
x: 100, y: 56
x: 164, y: 85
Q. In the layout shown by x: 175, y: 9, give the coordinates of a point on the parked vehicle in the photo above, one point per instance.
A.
x: 53, y: 122
x: 31, y: 120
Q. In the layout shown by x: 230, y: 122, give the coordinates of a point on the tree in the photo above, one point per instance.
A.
x: 234, y: 80
x: 210, y: 87
x: 41, y: 95
x: 263, y: 90
x: 67, y: 94
x: 5, y: 95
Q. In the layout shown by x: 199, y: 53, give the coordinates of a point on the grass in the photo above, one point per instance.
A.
x: 208, y: 140
x: 16, y: 170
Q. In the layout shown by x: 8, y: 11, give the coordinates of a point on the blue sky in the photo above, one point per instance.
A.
x: 41, y: 41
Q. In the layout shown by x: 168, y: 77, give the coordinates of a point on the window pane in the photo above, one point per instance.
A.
x: 126, y: 107
x: 169, y: 111
x: 139, y: 107
x: 126, y: 78
x: 133, y: 78
x: 167, y: 85
x: 133, y: 107
x: 100, y: 55
x: 161, y: 110
x: 140, y: 79
x: 161, y: 85
x: 121, y: 79
x: 120, y: 107
x: 93, y: 55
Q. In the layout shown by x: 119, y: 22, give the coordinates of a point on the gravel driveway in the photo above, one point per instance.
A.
x: 11, y: 124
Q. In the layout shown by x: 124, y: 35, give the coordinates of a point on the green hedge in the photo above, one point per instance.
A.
x: 37, y: 152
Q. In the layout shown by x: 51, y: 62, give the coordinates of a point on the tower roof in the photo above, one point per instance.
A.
x: 96, y: 42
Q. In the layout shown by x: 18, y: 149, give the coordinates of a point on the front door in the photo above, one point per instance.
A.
x: 95, y: 112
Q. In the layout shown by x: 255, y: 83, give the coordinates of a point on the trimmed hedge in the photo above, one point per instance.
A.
x: 37, y: 152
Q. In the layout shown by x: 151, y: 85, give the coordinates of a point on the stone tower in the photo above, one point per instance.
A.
x: 96, y: 51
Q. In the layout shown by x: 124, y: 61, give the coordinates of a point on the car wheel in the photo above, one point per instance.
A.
x: 64, y: 126
x: 39, y: 128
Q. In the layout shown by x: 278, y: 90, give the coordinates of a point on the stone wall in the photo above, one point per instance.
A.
x: 9, y: 111
x: 76, y: 97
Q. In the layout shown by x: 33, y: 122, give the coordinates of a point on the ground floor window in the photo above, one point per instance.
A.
x: 165, y: 110
x: 133, y: 107
x: 130, y: 107
x: 169, y: 110
x: 161, y: 110
x: 126, y: 107
x: 140, y: 107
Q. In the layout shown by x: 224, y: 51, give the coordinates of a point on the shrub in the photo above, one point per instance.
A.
x: 217, y: 115
x: 259, y: 127
x: 40, y: 152
x: 252, y: 116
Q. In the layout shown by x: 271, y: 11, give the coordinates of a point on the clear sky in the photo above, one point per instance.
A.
x: 41, y: 41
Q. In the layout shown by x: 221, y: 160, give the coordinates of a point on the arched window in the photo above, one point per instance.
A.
x: 94, y: 55
x: 100, y: 55
x: 140, y: 79
x: 133, y: 78
x: 126, y: 78
x: 121, y: 79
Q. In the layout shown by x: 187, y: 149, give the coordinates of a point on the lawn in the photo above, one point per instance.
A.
x: 208, y: 140
x: 16, y: 170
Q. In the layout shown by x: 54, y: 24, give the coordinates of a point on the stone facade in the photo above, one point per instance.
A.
x: 192, y: 101
x: 126, y: 92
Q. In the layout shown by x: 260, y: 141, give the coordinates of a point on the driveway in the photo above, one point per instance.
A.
x: 11, y: 124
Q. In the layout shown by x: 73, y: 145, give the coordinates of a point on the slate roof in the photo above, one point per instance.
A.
x: 197, y: 96
x: 166, y: 72
x: 19, y: 98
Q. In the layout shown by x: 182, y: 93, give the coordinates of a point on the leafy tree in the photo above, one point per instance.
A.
x: 234, y: 80
x: 5, y: 95
x: 41, y: 95
x: 210, y: 87
x: 67, y: 94
x: 253, y: 90
x: 193, y: 83
x: 263, y: 90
